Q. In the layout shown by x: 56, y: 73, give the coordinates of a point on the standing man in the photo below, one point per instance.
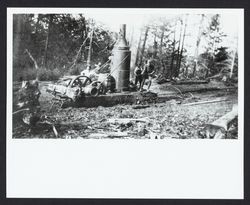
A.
x: 138, y: 75
x: 147, y: 73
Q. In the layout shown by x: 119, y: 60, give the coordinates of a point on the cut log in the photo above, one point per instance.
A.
x: 98, y: 135
x: 206, y: 102
x: 108, y: 135
x: 117, y: 134
x: 189, y: 82
x: 226, y: 119
x: 218, y: 129
x: 127, y: 120
x: 140, y: 106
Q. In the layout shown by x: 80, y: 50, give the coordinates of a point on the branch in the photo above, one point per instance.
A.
x: 202, y: 64
x: 31, y: 57
x: 78, y: 53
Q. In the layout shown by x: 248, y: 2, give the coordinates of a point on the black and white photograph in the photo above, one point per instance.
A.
x: 125, y: 103
x: 144, y: 76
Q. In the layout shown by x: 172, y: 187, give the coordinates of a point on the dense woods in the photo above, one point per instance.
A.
x: 165, y: 40
x: 48, y: 46
x: 55, y: 42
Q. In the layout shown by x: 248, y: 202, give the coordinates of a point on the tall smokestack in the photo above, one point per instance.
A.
x: 121, y: 61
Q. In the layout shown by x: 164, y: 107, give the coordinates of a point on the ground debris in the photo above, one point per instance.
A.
x: 163, y: 120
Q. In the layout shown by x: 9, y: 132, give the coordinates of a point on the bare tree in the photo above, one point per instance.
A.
x: 233, y: 61
x: 155, y: 44
x: 47, y: 40
x: 161, y: 41
x: 179, y: 45
x: 198, y: 44
x: 182, y: 48
x: 84, y: 33
x: 173, y: 52
x: 144, y: 44
x: 160, y: 49
x: 137, y: 58
x: 90, y: 49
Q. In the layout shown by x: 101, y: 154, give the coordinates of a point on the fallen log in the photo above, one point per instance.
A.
x: 108, y: 135
x: 189, y: 82
x: 226, y: 119
x: 218, y: 129
x: 140, y: 106
x: 206, y: 102
x: 127, y: 120
x: 19, y: 111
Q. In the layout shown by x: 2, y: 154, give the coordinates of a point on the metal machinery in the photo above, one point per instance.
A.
x: 120, y: 67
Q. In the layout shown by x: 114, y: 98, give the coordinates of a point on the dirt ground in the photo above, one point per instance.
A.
x: 167, y: 120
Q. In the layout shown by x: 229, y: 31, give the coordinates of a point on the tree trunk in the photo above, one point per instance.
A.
x: 210, y: 65
x: 233, y: 61
x: 90, y: 49
x: 155, y: 46
x: 198, y: 44
x: 131, y: 37
x: 144, y: 44
x: 138, y: 53
x: 182, y: 47
x: 161, y: 42
x: 173, y: 54
x: 47, y: 40
x: 232, y: 64
x: 178, y: 50
x: 83, y: 35
x: 84, y: 28
x: 18, y: 34
x: 160, y: 51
